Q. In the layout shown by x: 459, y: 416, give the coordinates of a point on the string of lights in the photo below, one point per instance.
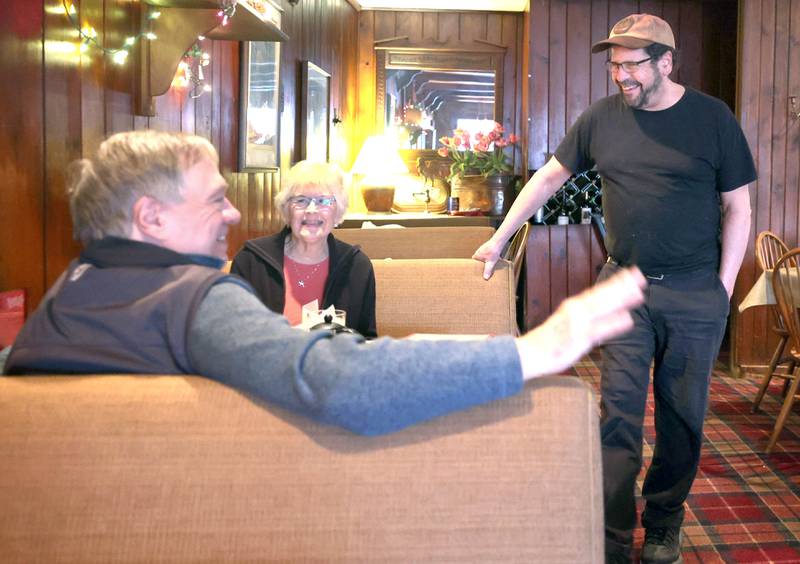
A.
x: 190, y: 73
x: 88, y: 35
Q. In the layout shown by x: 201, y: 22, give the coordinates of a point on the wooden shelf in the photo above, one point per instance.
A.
x: 177, y: 29
x: 188, y: 4
x: 248, y: 25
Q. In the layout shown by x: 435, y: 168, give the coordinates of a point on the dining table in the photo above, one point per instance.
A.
x: 762, y: 293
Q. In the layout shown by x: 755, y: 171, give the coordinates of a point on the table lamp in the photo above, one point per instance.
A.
x: 377, y: 164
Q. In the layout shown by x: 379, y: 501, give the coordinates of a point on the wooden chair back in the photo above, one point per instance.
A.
x: 515, y: 252
x: 769, y: 248
x: 786, y: 286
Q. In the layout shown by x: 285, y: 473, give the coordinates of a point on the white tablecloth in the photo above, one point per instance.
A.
x: 760, y: 294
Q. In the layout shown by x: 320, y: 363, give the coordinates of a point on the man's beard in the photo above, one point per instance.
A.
x: 643, y: 99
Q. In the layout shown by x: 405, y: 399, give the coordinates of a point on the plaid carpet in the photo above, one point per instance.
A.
x: 744, y: 505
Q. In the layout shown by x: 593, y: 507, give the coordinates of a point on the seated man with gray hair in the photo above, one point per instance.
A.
x: 147, y: 296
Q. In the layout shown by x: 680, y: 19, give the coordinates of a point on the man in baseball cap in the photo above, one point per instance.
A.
x: 675, y: 166
x: 637, y: 31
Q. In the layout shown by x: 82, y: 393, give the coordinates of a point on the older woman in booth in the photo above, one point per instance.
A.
x: 304, y: 261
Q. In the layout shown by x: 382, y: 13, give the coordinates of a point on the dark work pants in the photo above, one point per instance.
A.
x: 679, y: 329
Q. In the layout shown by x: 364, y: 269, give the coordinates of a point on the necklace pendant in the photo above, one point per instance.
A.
x: 301, y: 283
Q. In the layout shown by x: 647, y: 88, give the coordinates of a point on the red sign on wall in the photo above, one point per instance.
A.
x: 12, y: 315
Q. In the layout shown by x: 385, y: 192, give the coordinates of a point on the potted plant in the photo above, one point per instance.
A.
x: 481, y: 174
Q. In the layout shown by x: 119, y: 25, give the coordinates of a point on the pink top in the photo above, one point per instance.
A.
x: 304, y: 283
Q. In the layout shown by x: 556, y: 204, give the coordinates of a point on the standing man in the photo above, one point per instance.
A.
x: 675, y: 166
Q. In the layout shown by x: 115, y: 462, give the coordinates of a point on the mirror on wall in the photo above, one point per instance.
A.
x: 424, y: 94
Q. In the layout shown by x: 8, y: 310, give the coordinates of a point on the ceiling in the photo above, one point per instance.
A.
x: 444, y: 5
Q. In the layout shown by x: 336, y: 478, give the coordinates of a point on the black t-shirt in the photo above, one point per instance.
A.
x: 661, y: 173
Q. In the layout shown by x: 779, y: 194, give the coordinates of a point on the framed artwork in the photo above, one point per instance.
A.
x: 258, y: 127
x: 315, y: 102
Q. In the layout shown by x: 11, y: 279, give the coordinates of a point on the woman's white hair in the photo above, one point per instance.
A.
x: 309, y: 177
x: 103, y: 190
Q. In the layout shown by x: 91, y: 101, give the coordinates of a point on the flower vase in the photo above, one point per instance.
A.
x: 492, y: 194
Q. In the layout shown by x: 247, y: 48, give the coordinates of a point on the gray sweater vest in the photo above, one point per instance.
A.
x: 126, y: 319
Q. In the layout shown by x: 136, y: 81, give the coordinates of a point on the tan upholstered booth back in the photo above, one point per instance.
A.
x: 443, y: 296
x: 427, y: 281
x: 417, y: 242
x: 181, y: 469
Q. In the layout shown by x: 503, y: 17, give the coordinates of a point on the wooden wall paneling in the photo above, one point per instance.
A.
x: 203, y: 106
x: 168, y: 111
x: 763, y: 343
x: 524, y: 73
x: 430, y: 26
x: 510, y: 36
x: 791, y: 228
x: 236, y: 234
x: 385, y: 24
x: 226, y: 121
x: 712, y: 36
x: 62, y: 93
x: 514, y: 74
x: 472, y: 26
x: 578, y: 58
x: 410, y: 24
x: 780, y: 118
x: 559, y: 265
x: 539, y: 107
x: 187, y: 105
x: 93, y: 76
x: 599, y: 76
x: 347, y: 105
x: 449, y: 27
x: 761, y: 215
x: 292, y: 25
x: 537, y: 274
x: 556, y: 122
x: 255, y: 204
x: 22, y: 149
x: 749, y: 86
x: 122, y: 21
x: 654, y: 7
x: 579, y: 259
x: 561, y: 261
x: 689, y: 39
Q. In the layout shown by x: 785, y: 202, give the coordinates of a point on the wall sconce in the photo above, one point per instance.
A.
x: 794, y: 110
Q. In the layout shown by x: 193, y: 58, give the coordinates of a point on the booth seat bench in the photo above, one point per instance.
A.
x: 140, y: 468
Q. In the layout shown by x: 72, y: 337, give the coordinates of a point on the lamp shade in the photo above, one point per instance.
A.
x: 377, y: 164
x: 379, y: 157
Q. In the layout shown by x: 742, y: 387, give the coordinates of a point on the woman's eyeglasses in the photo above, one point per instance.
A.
x: 302, y: 202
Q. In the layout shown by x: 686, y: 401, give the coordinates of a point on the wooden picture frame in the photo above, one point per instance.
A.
x: 314, y: 113
x: 260, y: 106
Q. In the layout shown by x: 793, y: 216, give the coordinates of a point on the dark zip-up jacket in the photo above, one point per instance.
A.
x: 350, y: 285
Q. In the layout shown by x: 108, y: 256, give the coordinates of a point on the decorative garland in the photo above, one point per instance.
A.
x: 88, y: 35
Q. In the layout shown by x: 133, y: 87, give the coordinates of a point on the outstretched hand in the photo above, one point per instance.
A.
x: 489, y: 254
x: 580, y: 323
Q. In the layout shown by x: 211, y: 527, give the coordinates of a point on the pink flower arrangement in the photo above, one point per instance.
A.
x: 483, y: 154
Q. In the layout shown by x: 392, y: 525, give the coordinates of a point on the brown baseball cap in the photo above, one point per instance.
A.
x: 637, y: 31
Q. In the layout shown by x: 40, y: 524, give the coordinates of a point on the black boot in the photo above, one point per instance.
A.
x: 662, y: 545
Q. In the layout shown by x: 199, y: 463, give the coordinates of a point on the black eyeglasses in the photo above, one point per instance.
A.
x: 302, y: 202
x: 627, y: 66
